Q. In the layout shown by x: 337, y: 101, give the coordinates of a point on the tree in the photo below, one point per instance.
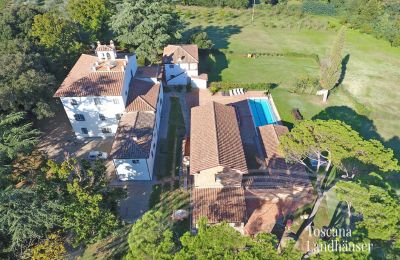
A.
x: 58, y: 35
x: 24, y: 83
x: 52, y: 248
x: 148, y: 26
x: 379, y: 209
x: 339, y: 145
x: 92, y: 15
x: 16, y: 21
x: 151, y: 238
x: 201, y: 40
x: 212, y: 242
x: 15, y: 136
x: 25, y: 217
x: 84, y: 216
x: 262, y: 247
x: 330, y: 67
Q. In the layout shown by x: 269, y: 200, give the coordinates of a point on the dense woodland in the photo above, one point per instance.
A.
x: 49, y: 208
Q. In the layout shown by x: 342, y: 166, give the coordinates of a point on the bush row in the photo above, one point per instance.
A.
x: 225, y: 86
x: 224, y: 3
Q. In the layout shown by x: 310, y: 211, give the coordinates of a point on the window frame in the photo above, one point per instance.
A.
x: 86, y: 131
x: 79, y: 117
x: 106, y: 130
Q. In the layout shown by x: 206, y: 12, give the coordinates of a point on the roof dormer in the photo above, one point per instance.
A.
x: 106, y: 52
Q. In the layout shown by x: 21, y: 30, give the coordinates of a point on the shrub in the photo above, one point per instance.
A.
x: 306, y: 84
x: 201, y: 40
x: 318, y: 8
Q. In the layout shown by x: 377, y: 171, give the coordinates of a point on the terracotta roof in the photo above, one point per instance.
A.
x: 269, y: 135
x: 83, y: 81
x: 105, y: 47
x: 185, y: 53
x: 143, y: 96
x: 134, y: 136
x: 219, y: 204
x: 148, y: 72
x: 215, y: 138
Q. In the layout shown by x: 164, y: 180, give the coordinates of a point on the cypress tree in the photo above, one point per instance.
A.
x: 330, y: 67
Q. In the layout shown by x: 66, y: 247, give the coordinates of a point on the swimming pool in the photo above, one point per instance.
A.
x: 262, y: 112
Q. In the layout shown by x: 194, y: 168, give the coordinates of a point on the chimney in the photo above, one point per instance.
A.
x: 98, y: 43
x: 126, y: 58
x: 112, y: 44
x: 125, y: 63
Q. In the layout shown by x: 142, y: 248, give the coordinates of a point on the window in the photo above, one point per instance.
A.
x: 106, y: 130
x: 97, y: 101
x: 135, y: 161
x: 171, y: 66
x: 116, y: 101
x: 79, y: 117
x: 102, y: 117
x: 84, y: 130
x: 74, y: 102
x: 118, y: 116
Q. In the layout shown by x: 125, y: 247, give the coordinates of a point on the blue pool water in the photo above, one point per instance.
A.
x: 262, y: 112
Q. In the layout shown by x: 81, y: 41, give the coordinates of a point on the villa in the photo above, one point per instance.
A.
x: 108, y: 95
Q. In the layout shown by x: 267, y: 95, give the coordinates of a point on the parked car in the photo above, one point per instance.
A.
x: 94, y: 155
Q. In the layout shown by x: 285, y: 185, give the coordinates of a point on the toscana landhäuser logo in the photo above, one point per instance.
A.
x: 334, y: 240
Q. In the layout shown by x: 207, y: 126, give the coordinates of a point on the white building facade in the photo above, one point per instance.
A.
x: 100, y: 91
x: 181, y: 66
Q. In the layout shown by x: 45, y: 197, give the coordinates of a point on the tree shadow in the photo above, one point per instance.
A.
x: 213, y: 62
x: 338, y: 218
x: 345, y: 61
x: 219, y: 35
x: 359, y: 123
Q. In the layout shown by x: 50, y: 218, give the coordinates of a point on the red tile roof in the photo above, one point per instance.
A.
x: 83, y: 81
x: 269, y: 135
x: 134, y: 136
x: 148, y: 72
x: 185, y: 53
x: 219, y: 204
x: 143, y: 96
x: 215, y: 138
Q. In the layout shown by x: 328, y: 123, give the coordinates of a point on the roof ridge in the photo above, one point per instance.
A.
x: 216, y: 132
x: 145, y: 101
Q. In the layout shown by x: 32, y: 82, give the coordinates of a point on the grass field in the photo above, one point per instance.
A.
x: 368, y: 97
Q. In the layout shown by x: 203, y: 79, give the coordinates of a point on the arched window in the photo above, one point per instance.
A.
x: 108, y: 56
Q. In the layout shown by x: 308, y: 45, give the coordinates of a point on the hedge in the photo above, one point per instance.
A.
x: 225, y: 86
x: 223, y: 3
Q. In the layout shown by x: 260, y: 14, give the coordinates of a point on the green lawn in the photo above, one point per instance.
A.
x: 368, y: 98
x: 171, y: 147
